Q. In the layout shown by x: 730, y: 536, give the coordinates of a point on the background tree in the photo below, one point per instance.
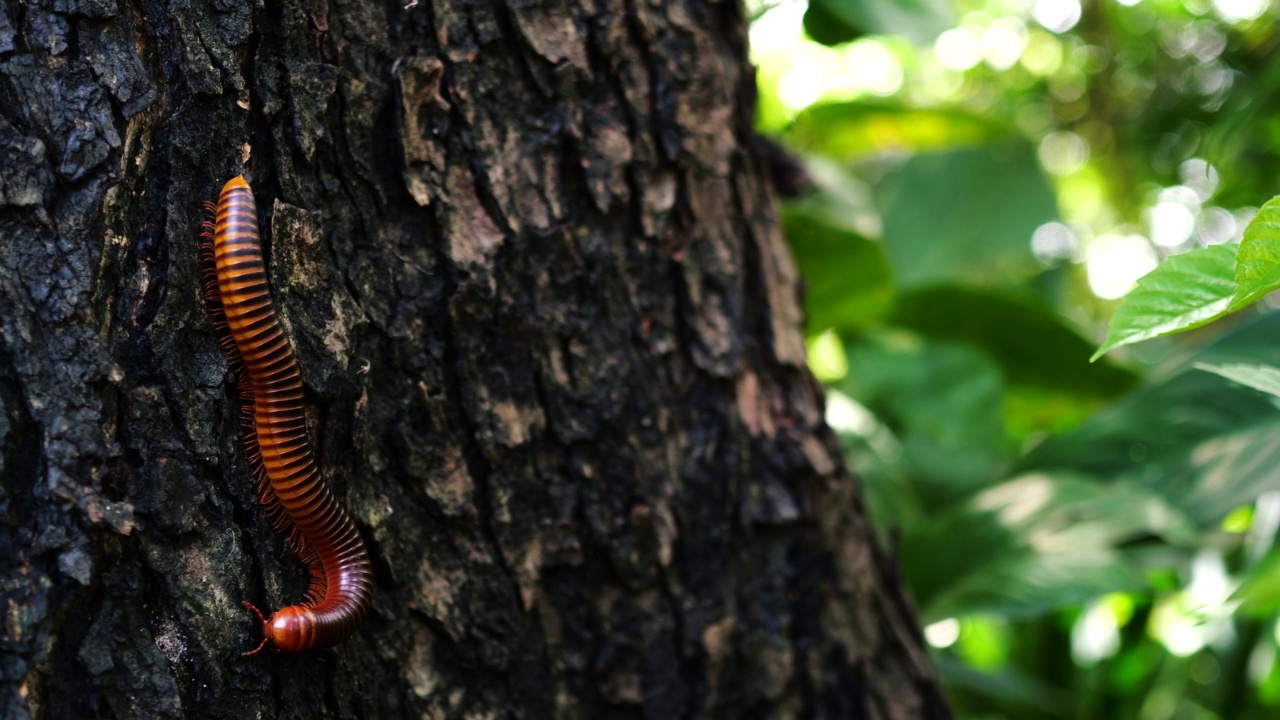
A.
x: 551, y: 337
x: 1085, y: 541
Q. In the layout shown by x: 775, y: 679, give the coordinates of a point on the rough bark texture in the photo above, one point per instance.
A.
x: 551, y: 338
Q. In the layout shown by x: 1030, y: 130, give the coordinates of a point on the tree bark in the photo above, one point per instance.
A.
x: 551, y: 338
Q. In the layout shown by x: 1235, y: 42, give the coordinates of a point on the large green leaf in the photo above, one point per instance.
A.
x: 1204, y: 443
x: 836, y: 21
x: 943, y: 400
x: 853, y: 130
x: 848, y: 278
x: 1227, y: 471
x: 1183, y: 292
x: 1258, y: 262
x: 1028, y: 584
x: 1010, y: 685
x: 1035, y: 543
x: 1033, y: 345
x: 1265, y: 378
x: 967, y: 216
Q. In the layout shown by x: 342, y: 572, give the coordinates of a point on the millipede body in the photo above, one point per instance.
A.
x: 322, y: 534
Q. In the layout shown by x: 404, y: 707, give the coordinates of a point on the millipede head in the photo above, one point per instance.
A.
x: 291, y: 629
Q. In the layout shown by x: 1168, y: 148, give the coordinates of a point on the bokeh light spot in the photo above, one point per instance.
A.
x: 800, y: 86
x: 943, y: 633
x: 1200, y: 176
x: 1003, y: 42
x: 1096, y: 635
x: 1057, y: 15
x: 1063, y: 153
x: 1043, y: 54
x: 1235, y: 11
x: 875, y: 67
x: 957, y: 49
x: 1216, y: 226
x: 1115, y: 262
x: 1171, y: 224
x: 1053, y: 242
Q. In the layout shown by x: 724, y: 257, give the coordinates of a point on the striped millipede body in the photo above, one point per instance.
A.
x: 322, y: 534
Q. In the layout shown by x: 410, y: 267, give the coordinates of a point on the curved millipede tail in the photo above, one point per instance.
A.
x: 277, y: 444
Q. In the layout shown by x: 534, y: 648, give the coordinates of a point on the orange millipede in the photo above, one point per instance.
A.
x: 278, y: 445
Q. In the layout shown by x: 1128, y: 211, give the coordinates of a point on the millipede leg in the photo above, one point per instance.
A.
x: 262, y: 644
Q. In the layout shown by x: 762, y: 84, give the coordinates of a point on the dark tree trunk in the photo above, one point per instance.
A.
x: 551, y: 339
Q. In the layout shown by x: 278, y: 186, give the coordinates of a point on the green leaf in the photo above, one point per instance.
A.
x: 1228, y: 471
x: 835, y: 21
x: 1032, y: 344
x: 1032, y: 585
x: 827, y: 27
x: 857, y: 129
x: 967, y: 216
x: 984, y: 642
x: 849, y: 281
x: 1259, y: 377
x: 1036, y: 543
x: 1205, y: 445
x: 944, y: 401
x: 1183, y: 292
x: 1258, y: 262
x: 1010, y: 685
x: 1260, y: 592
x: 1065, y: 512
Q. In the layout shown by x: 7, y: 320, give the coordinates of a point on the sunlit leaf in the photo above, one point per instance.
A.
x: 984, y: 642
x: 1258, y: 262
x: 1269, y: 688
x: 1259, y: 377
x: 1183, y: 292
x: 850, y: 130
x: 1259, y: 594
x: 826, y: 357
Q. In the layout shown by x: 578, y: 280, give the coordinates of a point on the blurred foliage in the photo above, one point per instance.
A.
x: 991, y: 179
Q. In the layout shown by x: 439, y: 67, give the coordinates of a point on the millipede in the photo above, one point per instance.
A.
x: 277, y: 442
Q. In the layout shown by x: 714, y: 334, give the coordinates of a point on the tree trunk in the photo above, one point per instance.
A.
x: 550, y: 332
